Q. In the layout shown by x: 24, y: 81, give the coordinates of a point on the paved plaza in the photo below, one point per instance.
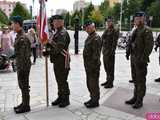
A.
x: 10, y: 94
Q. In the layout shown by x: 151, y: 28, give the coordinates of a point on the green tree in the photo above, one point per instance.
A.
x: 152, y: 11
x: 154, y: 8
x: 3, y: 17
x: 88, y: 10
x: 104, y: 8
x: 145, y: 4
x: 21, y: 10
x: 116, y: 11
x: 97, y: 17
x: 75, y: 15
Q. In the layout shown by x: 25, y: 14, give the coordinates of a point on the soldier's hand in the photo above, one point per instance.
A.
x: 45, y: 53
x: 127, y: 56
x: 156, y: 49
x: 48, y: 45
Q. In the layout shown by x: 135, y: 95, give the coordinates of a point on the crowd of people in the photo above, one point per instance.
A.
x: 139, y: 48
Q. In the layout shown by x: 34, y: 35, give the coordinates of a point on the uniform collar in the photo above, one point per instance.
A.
x: 92, y: 33
x: 20, y: 32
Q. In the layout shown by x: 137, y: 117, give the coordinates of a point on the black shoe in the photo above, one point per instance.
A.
x: 157, y: 80
x: 64, y: 101
x: 131, y: 101
x: 57, y: 101
x: 131, y: 81
x: 103, y: 84
x: 138, y: 104
x: 64, y: 104
x: 92, y: 104
x: 108, y: 86
x: 18, y: 106
x: 22, y: 109
x: 85, y: 103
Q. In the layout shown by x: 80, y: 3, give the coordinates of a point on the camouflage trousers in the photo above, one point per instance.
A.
x: 109, y: 62
x: 61, y: 75
x: 140, y: 70
x: 23, y: 82
x: 93, y: 83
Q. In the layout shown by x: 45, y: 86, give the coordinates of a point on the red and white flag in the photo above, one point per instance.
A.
x: 42, y: 23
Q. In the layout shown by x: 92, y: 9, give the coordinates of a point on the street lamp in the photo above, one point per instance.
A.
x: 121, y: 15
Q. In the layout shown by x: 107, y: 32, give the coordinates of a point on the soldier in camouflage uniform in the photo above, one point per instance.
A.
x: 59, y: 56
x: 141, y: 48
x: 109, y: 43
x: 91, y: 56
x: 22, y: 54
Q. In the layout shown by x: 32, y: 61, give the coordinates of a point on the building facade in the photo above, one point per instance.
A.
x: 79, y: 5
x: 8, y: 6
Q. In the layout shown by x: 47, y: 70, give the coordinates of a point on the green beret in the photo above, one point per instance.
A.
x: 140, y: 14
x: 88, y: 22
x: 109, y: 18
x: 17, y: 19
x: 57, y: 17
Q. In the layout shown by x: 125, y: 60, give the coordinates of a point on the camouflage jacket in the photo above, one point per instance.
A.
x: 109, y: 41
x: 92, y: 51
x: 22, y: 47
x: 59, y: 42
x: 142, y: 44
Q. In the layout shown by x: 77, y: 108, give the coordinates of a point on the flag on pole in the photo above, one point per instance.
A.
x: 42, y: 23
x: 44, y: 36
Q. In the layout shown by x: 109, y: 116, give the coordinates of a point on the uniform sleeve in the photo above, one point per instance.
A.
x: 62, y: 42
x: 96, y: 47
x: 148, y: 41
x: 116, y: 36
x: 24, y: 48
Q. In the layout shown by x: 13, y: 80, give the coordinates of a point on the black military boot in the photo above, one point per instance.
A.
x: 138, y: 104
x: 25, y: 107
x: 22, y: 109
x: 18, y: 106
x: 109, y: 83
x: 103, y: 84
x: 57, y: 101
x: 92, y: 104
x: 64, y: 101
x: 85, y: 103
x: 131, y: 101
x: 157, y: 80
x: 131, y: 81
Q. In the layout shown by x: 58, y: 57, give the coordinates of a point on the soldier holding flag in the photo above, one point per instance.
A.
x: 59, y: 56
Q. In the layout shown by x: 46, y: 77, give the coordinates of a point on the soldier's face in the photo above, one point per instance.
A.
x: 58, y: 23
x: 139, y: 21
x: 90, y: 28
x: 109, y: 23
x: 16, y: 27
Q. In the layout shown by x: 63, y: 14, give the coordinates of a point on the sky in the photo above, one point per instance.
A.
x: 55, y: 4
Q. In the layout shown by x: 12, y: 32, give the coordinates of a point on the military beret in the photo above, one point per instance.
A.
x: 17, y: 19
x: 109, y: 18
x: 88, y: 22
x: 57, y: 17
x: 140, y: 14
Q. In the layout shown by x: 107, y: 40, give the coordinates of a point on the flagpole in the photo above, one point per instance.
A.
x: 46, y: 60
x: 47, y: 92
x: 121, y: 13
